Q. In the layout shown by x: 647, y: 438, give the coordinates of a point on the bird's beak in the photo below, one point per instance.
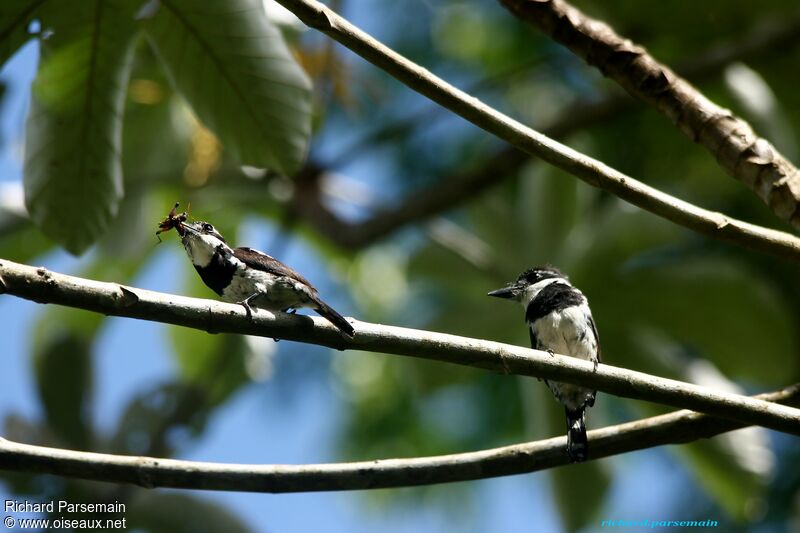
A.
x: 505, y: 292
x: 190, y: 228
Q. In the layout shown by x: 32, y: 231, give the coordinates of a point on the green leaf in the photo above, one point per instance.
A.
x: 64, y: 379
x: 156, y: 414
x: 152, y: 105
x: 19, y: 239
x: 233, y: 66
x: 15, y: 15
x: 214, y: 362
x: 692, y: 298
x: 64, y: 337
x: 73, y: 176
x: 716, y: 470
x: 175, y: 513
x: 548, y: 209
x: 733, y: 468
x: 580, y: 489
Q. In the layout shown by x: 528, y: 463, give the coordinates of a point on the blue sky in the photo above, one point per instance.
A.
x: 254, y: 426
x: 258, y: 425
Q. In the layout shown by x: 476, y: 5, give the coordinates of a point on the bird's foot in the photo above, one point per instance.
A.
x: 503, y: 362
x: 247, y: 308
x: 246, y: 304
x: 551, y: 352
x: 596, y: 362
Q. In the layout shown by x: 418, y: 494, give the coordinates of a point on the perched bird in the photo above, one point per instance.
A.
x: 560, y: 321
x: 250, y: 277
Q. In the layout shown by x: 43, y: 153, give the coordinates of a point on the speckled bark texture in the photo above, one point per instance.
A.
x: 743, y: 154
x: 583, y: 167
x: 674, y: 428
x: 44, y: 286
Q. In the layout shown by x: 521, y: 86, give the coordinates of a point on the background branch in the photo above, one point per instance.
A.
x: 743, y: 154
x: 526, y: 139
x: 673, y: 428
x: 41, y: 285
x: 456, y: 189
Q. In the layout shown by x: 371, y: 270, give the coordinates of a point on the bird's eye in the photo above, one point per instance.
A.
x: 208, y: 228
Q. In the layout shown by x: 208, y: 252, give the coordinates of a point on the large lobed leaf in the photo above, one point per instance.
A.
x: 233, y: 66
x: 63, y: 368
x: 73, y: 176
x: 64, y: 338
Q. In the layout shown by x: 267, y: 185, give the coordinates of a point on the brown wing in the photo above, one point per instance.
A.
x: 261, y: 261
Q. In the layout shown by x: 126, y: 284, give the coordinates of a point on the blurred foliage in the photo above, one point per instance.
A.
x: 666, y: 301
x: 73, y: 167
x: 73, y: 174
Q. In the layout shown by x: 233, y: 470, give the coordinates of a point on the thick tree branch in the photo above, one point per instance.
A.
x: 456, y: 189
x: 674, y: 428
x: 743, y: 154
x: 41, y: 285
x: 530, y: 141
x: 417, y: 206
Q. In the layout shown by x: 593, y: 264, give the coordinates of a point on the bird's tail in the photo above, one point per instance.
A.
x: 577, y: 444
x: 334, y: 318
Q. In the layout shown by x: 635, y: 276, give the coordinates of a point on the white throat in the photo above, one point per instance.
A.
x: 200, y: 248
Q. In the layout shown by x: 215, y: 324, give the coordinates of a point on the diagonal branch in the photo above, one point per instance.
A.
x: 456, y: 189
x: 417, y: 206
x: 590, y: 170
x: 743, y: 154
x: 674, y: 428
x: 41, y: 285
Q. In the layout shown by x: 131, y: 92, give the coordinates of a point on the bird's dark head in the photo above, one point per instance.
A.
x: 201, y: 240
x: 533, y: 276
x: 517, y: 289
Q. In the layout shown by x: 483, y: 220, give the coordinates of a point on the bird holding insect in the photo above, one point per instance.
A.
x: 245, y: 275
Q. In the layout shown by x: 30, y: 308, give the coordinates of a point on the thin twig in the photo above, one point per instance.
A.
x: 41, y: 285
x: 674, y: 428
x: 733, y: 143
x: 761, y: 39
x: 456, y: 189
x: 530, y: 141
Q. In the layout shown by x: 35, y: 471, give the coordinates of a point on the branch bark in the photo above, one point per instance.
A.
x: 674, y: 428
x: 417, y: 206
x: 743, y: 154
x: 590, y: 170
x: 41, y: 285
x: 454, y: 190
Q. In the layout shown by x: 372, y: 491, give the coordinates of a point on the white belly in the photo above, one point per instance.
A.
x: 276, y: 292
x: 568, y: 332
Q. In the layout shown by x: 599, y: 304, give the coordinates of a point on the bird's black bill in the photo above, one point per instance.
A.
x: 190, y: 228
x: 506, y: 292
